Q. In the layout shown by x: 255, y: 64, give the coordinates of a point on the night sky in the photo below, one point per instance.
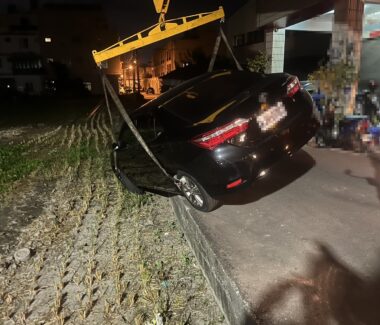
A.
x: 127, y: 17
x: 132, y: 16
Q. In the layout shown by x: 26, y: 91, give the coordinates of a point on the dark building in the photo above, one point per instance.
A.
x: 21, y: 64
x: 40, y: 43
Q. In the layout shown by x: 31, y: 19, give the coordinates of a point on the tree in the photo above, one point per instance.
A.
x: 65, y: 83
x: 333, y: 79
x: 259, y: 63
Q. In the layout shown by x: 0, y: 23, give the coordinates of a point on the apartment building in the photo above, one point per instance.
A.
x: 21, y: 64
x: 65, y: 40
x: 183, y: 51
x: 37, y: 38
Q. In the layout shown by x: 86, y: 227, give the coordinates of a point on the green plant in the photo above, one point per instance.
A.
x: 258, y: 63
x: 14, y: 165
x: 333, y: 78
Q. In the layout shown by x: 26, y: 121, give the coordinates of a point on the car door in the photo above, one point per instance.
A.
x: 134, y: 160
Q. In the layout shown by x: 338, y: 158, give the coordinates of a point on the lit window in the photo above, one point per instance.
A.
x: 47, y: 39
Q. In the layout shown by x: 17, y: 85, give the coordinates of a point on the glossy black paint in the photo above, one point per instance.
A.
x: 169, y: 122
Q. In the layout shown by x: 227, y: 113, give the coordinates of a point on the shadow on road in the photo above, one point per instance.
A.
x: 373, y: 181
x: 331, y: 293
x: 282, y: 174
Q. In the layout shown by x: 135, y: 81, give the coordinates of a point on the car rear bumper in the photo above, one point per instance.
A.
x: 248, y: 164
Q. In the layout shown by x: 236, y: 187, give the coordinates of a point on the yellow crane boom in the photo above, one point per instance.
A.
x: 158, y: 32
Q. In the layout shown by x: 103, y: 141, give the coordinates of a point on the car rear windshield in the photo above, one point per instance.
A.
x: 205, y: 97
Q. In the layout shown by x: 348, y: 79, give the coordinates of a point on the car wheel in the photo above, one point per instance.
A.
x: 196, y: 194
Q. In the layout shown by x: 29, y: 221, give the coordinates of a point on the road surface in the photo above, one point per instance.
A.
x: 303, y: 244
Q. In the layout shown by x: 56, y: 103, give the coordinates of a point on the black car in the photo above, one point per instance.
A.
x: 215, y: 134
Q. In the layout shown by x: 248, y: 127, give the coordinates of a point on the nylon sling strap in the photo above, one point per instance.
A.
x: 216, y: 50
x: 215, y: 53
x: 129, y: 122
x: 107, y: 102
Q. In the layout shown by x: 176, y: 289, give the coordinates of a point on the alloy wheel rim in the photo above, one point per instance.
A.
x: 191, y: 191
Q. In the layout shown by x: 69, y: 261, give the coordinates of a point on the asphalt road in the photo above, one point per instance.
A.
x: 303, y: 244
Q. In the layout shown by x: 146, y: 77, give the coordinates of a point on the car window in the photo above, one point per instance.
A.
x: 126, y: 136
x: 149, y: 127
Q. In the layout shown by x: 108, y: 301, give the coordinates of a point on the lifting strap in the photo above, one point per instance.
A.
x: 107, y: 102
x: 216, y: 50
x: 127, y: 119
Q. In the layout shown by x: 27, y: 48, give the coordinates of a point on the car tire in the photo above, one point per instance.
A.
x: 195, y: 194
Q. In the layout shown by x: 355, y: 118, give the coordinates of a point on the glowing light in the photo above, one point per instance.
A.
x: 263, y: 173
x: 235, y: 183
x: 242, y: 137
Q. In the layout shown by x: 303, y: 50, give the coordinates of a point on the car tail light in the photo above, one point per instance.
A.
x: 293, y: 86
x: 214, y: 138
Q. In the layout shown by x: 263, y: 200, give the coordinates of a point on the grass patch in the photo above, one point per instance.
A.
x: 76, y: 153
x: 14, y: 165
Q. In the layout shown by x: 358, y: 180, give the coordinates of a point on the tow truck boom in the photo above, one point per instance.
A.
x: 158, y: 32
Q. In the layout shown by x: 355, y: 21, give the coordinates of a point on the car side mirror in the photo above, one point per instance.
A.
x: 118, y: 145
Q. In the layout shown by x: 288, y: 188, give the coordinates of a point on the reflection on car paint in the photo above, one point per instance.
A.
x: 211, y: 118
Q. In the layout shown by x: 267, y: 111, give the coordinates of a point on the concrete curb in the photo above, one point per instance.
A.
x: 236, y: 310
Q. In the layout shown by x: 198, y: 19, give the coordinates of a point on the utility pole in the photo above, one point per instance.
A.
x: 133, y: 72
x: 347, y: 45
x: 137, y: 72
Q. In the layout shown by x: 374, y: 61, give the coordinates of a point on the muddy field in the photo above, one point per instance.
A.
x: 75, y: 248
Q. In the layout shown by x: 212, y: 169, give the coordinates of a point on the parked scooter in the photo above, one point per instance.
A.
x: 327, y: 134
x: 371, y: 104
